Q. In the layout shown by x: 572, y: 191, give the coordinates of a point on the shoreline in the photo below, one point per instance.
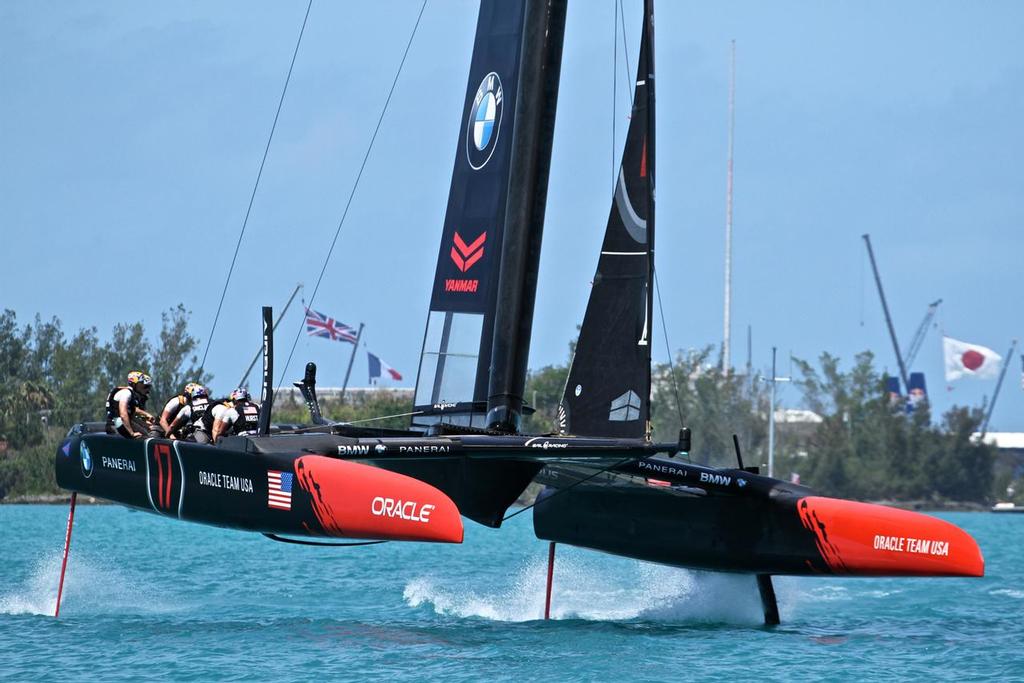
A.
x: 52, y: 499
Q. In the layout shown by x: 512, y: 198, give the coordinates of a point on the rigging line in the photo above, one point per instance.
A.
x: 668, y: 347
x: 615, y: 85
x: 252, y: 197
x: 385, y: 417
x: 571, y: 486
x: 625, y: 53
x: 355, y: 186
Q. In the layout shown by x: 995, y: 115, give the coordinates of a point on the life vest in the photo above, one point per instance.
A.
x: 113, y: 412
x: 206, y: 419
x: 200, y: 407
x: 248, y: 421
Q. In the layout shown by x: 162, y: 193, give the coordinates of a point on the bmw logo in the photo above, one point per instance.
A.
x: 484, y: 121
x: 83, y: 450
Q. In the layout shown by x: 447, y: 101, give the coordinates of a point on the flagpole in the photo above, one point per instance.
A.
x: 348, y: 373
x: 995, y: 395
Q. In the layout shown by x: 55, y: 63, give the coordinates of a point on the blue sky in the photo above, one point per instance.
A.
x: 131, y: 134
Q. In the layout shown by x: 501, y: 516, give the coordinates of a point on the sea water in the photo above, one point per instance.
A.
x: 151, y: 598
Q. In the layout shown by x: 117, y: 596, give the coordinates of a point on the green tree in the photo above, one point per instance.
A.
x: 127, y: 350
x: 869, y: 448
x: 174, y: 359
x: 49, y: 382
x: 695, y: 393
x: 544, y: 389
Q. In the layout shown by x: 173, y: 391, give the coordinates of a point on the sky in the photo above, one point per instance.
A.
x: 131, y: 134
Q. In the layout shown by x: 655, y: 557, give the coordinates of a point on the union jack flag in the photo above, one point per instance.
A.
x: 319, y: 325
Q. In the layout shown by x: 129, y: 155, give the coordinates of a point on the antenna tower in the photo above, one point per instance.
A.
x: 727, y: 322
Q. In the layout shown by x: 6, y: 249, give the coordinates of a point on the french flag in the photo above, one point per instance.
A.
x: 377, y: 365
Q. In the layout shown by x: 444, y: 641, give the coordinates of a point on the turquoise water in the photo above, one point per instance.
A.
x: 150, y: 598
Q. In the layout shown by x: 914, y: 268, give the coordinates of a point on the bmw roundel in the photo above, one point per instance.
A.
x: 484, y: 121
x: 86, y: 456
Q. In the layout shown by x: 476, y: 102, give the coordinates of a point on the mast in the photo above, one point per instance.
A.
x: 352, y: 358
x: 267, y: 394
x: 649, y: 151
x: 727, y: 317
x: 771, y: 422
x: 543, y: 32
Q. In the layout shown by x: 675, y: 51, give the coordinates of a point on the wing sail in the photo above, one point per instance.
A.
x: 609, y: 386
x: 453, y: 372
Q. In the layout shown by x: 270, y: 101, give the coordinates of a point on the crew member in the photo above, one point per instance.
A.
x: 195, y: 417
x: 171, y: 410
x: 191, y: 418
x: 125, y: 406
x: 241, y: 417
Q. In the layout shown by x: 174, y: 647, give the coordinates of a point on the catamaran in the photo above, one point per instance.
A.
x: 608, y: 485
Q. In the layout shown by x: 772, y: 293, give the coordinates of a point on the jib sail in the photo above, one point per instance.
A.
x: 498, y: 183
x: 609, y: 385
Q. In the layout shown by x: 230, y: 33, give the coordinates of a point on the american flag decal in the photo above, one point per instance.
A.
x: 279, y: 489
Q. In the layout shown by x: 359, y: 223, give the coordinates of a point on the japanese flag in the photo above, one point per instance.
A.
x: 969, y: 360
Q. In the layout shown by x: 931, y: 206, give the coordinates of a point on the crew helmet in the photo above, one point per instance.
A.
x: 198, y: 391
x: 138, y: 377
x: 187, y: 391
x: 239, y: 395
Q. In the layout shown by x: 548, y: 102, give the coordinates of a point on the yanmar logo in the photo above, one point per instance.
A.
x: 465, y: 255
x: 455, y: 285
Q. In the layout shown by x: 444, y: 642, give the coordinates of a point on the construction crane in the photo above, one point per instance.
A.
x: 922, y: 330
x: 885, y: 310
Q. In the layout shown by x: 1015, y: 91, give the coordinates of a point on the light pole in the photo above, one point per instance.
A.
x: 771, y: 416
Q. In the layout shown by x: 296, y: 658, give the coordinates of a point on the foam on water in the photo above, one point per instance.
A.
x: 38, y: 595
x: 585, y: 587
x: 91, y: 585
x: 229, y: 607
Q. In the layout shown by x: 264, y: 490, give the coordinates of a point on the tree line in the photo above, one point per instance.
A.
x: 863, y: 447
x: 50, y: 380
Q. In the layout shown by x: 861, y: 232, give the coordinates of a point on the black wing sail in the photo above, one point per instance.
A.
x: 609, y: 385
x: 453, y: 373
x: 481, y: 308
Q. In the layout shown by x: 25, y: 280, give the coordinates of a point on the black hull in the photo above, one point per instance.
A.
x: 604, y: 494
x: 186, y: 481
x: 656, y: 524
x: 299, y: 493
x: 737, y: 521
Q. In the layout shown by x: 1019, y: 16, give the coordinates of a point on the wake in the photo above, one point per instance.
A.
x: 591, y: 587
x: 91, y: 585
